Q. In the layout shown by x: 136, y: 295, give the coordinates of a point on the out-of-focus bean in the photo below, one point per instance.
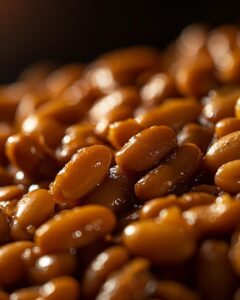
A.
x: 91, y: 165
x: 205, y: 188
x: 78, y: 227
x: 4, y: 296
x: 226, y: 126
x: 178, y: 168
x: 10, y: 192
x: 31, y: 293
x: 146, y: 149
x: 101, y: 267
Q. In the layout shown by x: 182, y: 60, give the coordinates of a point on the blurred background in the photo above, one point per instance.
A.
x: 80, y: 30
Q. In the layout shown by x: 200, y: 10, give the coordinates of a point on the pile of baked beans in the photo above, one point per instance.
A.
x: 120, y: 180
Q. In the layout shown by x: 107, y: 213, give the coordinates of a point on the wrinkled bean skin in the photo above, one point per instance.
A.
x: 226, y: 126
x: 179, y: 167
x: 59, y: 286
x: 11, y: 265
x: 172, y: 113
x: 173, y: 240
x: 129, y: 281
x: 104, y: 264
x: 223, y: 150
x: 215, y: 277
x: 227, y: 177
x: 90, y: 164
x: 32, y: 210
x: 146, y: 149
x: 78, y: 227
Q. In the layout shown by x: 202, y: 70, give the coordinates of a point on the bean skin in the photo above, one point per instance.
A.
x: 78, y: 227
x: 90, y: 165
x: 146, y: 149
x: 179, y: 167
x: 227, y: 177
x: 226, y: 126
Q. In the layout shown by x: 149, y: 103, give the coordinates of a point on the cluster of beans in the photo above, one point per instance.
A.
x: 121, y: 179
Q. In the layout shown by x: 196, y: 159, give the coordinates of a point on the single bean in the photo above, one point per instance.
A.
x: 30, y: 293
x: 226, y: 126
x: 11, y: 192
x: 227, y: 177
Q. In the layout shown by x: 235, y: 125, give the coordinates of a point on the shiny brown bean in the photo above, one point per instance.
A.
x: 196, y: 134
x: 158, y: 88
x: 173, y: 239
x: 226, y: 126
x: 132, y: 282
x: 78, y: 227
x: 115, y: 192
x: 227, y: 177
x: 106, y: 262
x: 30, y: 293
x: 26, y: 152
x: 223, y: 151
x: 10, y: 192
x: 120, y: 132
x: 215, y: 219
x: 11, y: 264
x: 59, y: 286
x: 220, y: 104
x: 181, y: 166
x: 174, y: 113
x: 32, y: 210
x: 215, y: 277
x: 90, y: 164
x: 146, y: 149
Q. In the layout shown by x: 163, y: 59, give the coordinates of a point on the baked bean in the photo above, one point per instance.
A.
x: 56, y: 288
x: 196, y: 134
x: 227, y: 177
x: 91, y: 164
x: 158, y: 88
x: 26, y: 153
x: 172, y: 238
x: 223, y: 151
x: 178, y: 168
x: 104, y: 264
x: 78, y: 227
x: 146, y: 149
x: 174, y: 113
x: 226, y: 126
x: 115, y: 192
x: 220, y: 104
x: 215, y: 219
x: 120, y: 132
x: 11, y: 265
x: 31, y: 211
x: 31, y: 293
x: 215, y: 277
x: 132, y: 282
x: 11, y: 192
x: 4, y: 228
x: 4, y: 296
x: 172, y: 290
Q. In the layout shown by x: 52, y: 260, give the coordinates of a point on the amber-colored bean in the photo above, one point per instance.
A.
x: 172, y: 238
x: 32, y: 210
x: 78, y: 227
x: 59, y: 287
x: 158, y: 88
x: 227, y: 177
x: 172, y: 290
x: 115, y: 192
x: 226, y: 126
x: 178, y: 168
x: 223, y: 150
x: 8, y: 207
x: 104, y: 264
x: 10, y: 192
x: 215, y: 277
x: 11, y: 264
x: 215, y: 219
x: 120, y: 132
x: 196, y: 134
x: 50, y: 266
x: 237, y: 109
x: 31, y: 293
x: 174, y: 113
x: 132, y: 282
x: 90, y: 164
x: 26, y: 152
x: 44, y: 127
x: 220, y: 104
x: 4, y: 296
x: 146, y: 149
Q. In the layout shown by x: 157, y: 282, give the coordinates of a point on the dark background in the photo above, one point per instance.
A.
x: 79, y: 30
